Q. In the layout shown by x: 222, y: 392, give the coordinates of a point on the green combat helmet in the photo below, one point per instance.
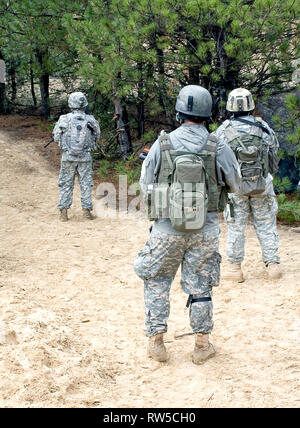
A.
x: 77, y: 100
x: 194, y: 100
x: 240, y: 100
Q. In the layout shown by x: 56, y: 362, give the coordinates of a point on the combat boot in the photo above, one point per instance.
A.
x: 156, y: 348
x: 274, y: 271
x: 203, y: 349
x: 63, y: 214
x: 87, y: 214
x: 234, y: 273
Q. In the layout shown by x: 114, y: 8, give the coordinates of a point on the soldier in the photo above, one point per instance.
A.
x: 255, y: 146
x: 172, y: 242
x: 77, y: 134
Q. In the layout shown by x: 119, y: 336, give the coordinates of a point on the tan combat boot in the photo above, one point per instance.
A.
x: 156, y: 348
x: 203, y: 349
x: 274, y: 271
x: 63, y: 215
x: 87, y: 214
x: 234, y: 273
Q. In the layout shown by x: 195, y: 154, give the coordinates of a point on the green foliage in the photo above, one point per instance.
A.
x: 104, y: 169
x: 282, y: 186
x: 288, y: 210
x: 131, y: 168
x: 143, y: 52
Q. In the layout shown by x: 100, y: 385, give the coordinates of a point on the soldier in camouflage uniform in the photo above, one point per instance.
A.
x: 76, y: 161
x: 263, y: 206
x: 197, y: 251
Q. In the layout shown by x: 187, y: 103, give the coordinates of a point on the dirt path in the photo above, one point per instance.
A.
x: 71, y: 311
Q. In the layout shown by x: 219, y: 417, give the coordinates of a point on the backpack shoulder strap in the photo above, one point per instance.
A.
x: 211, y: 143
x: 231, y: 133
x: 165, y: 147
x: 164, y: 141
x: 226, y: 123
x: 255, y: 123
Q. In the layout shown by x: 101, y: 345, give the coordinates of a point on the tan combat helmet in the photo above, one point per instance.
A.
x: 240, y: 100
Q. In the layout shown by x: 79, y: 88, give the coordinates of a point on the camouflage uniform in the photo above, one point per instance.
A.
x: 72, y: 165
x: 157, y: 265
x: 262, y: 208
x: 196, y: 252
x: 66, y: 180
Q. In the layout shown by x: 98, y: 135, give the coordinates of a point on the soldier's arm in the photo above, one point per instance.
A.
x: 95, y: 125
x: 228, y: 171
x: 150, y: 167
x: 60, y: 128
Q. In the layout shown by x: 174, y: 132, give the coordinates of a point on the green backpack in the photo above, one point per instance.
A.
x: 180, y: 192
x: 188, y: 193
x: 252, y: 154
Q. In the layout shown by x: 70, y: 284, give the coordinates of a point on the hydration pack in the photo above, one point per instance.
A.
x: 188, y: 193
x: 79, y: 134
x: 185, y: 187
x: 252, y: 154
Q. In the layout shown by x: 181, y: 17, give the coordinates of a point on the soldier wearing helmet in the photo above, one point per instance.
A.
x: 77, y: 134
x: 255, y: 145
x: 169, y: 247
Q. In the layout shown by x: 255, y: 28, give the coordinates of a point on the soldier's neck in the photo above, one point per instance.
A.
x: 189, y: 122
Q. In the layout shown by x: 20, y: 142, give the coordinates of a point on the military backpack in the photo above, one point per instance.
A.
x: 252, y: 154
x: 185, y: 186
x: 79, y: 134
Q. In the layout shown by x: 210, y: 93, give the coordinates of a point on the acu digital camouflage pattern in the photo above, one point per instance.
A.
x: 263, y: 208
x: 61, y: 134
x: 70, y: 164
x: 263, y: 214
x: 157, y: 264
x: 66, y: 180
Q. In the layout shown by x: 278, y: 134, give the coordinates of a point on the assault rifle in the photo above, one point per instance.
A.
x: 51, y: 141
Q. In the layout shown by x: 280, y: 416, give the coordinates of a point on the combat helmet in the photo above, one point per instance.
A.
x: 77, y: 100
x: 240, y: 100
x: 194, y: 100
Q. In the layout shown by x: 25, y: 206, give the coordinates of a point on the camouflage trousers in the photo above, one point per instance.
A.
x: 263, y: 214
x: 157, y: 264
x: 67, y: 174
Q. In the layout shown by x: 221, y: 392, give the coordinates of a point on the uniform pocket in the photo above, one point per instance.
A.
x: 151, y: 258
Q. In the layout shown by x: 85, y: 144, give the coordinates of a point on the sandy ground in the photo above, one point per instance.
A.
x: 71, y: 311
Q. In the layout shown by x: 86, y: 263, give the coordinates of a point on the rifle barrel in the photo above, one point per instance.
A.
x: 51, y: 141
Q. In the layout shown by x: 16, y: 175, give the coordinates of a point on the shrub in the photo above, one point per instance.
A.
x: 288, y: 210
x: 282, y: 185
x: 104, y: 168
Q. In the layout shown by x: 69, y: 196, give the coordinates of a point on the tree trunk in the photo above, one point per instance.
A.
x: 122, y: 128
x: 2, y: 99
x: 162, y: 90
x: 44, y: 85
x: 230, y: 76
x: 2, y: 86
x: 194, y: 69
x: 140, y: 104
x: 13, y: 84
x: 32, y: 86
